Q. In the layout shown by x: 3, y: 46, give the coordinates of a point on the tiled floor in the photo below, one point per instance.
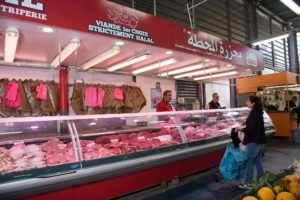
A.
x: 279, y: 154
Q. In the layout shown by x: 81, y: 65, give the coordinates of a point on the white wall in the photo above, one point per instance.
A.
x: 49, y: 74
x: 146, y: 83
x: 220, y: 87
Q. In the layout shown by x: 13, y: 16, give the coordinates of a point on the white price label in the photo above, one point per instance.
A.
x: 212, y: 119
x: 61, y: 146
x: 19, y: 142
x: 114, y: 140
x: 165, y: 137
x: 90, y: 145
x: 141, y: 138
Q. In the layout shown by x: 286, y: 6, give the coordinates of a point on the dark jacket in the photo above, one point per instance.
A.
x: 213, y: 105
x: 255, y: 129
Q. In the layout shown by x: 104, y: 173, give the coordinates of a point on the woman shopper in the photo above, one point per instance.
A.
x: 254, y: 139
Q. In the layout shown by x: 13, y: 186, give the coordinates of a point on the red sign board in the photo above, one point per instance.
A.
x: 113, y: 20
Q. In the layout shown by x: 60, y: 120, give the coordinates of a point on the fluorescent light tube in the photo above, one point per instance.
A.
x: 129, y: 61
x: 11, y: 42
x: 204, y: 71
x: 65, y: 52
x: 292, y: 5
x: 182, y: 69
x: 270, y: 39
x: 155, y: 65
x: 216, y: 75
x: 101, y: 57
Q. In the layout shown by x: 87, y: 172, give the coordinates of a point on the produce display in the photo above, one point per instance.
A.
x: 281, y: 186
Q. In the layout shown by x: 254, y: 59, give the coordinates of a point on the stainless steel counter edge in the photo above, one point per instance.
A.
x: 14, y: 190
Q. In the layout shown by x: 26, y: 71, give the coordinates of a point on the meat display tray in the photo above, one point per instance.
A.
x: 67, y: 146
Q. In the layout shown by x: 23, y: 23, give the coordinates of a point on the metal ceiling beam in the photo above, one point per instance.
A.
x: 294, y: 18
x: 268, y: 12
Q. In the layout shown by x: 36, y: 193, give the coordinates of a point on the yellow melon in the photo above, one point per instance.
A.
x: 285, y: 196
x: 294, y: 188
x: 265, y: 193
x: 291, y: 178
x: 278, y: 189
x: 249, y: 198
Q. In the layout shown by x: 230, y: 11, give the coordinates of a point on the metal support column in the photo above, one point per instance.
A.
x: 154, y: 8
x: 252, y: 21
x: 228, y: 19
x: 293, y: 50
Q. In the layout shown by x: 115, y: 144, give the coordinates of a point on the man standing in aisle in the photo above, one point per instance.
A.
x: 164, y: 105
x: 214, y: 104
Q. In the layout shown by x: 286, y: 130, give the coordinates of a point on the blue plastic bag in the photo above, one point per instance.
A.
x: 233, y: 163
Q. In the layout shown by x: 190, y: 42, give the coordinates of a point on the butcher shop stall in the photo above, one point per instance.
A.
x: 75, y: 105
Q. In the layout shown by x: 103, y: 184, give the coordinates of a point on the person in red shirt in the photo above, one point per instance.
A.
x: 164, y: 105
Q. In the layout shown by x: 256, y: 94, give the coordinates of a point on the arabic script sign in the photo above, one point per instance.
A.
x: 111, y: 20
x: 214, y: 47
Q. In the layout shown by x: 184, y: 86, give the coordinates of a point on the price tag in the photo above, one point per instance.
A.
x: 212, y: 119
x: 141, y: 138
x: 61, y: 146
x: 91, y: 145
x: 165, y: 137
x: 114, y: 140
x: 20, y: 142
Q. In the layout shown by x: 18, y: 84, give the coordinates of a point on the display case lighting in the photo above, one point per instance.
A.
x: 201, y: 72
x: 183, y: 69
x: 155, y: 65
x: 47, y: 29
x: 71, y: 47
x: 10, y: 45
x: 119, y: 43
x: 292, y: 5
x: 34, y: 127
x: 270, y: 39
x: 129, y: 61
x: 282, y: 86
x: 101, y: 57
x: 216, y: 75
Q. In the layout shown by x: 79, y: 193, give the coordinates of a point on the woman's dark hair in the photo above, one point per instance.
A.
x: 257, y: 107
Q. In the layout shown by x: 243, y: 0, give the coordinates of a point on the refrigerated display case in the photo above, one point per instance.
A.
x: 50, y: 154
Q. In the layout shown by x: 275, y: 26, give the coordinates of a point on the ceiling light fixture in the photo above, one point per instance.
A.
x: 11, y: 42
x: 229, y: 65
x: 71, y: 47
x: 216, y: 75
x: 169, y: 52
x: 207, y: 60
x: 204, y: 71
x: 292, y: 5
x: 270, y: 39
x: 47, y: 29
x: 119, y: 43
x: 183, y: 69
x: 155, y: 65
x: 101, y: 57
x: 129, y: 61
